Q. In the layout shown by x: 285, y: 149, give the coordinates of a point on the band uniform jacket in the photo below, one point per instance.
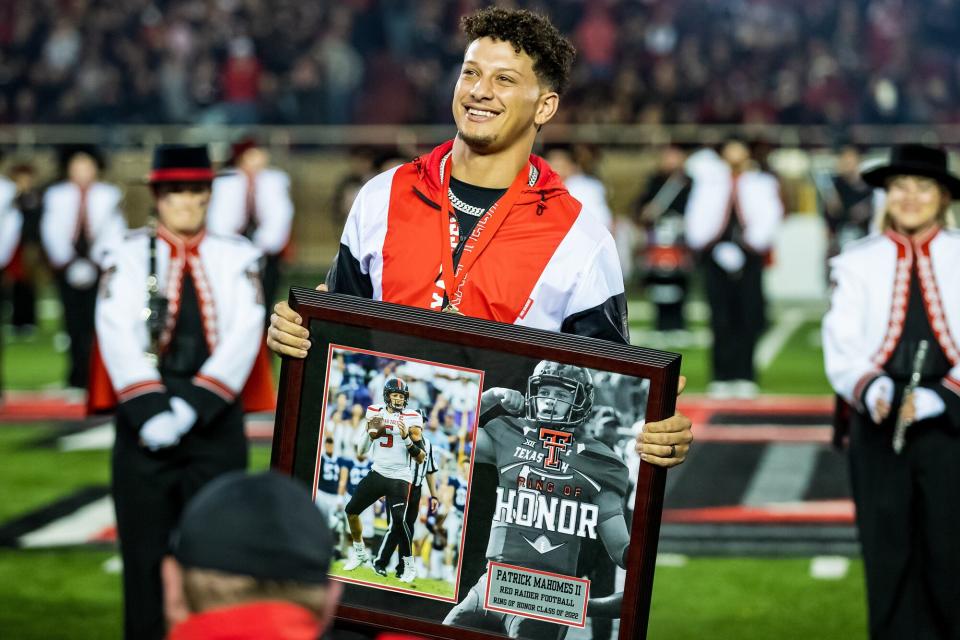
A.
x: 273, y: 208
x: 11, y: 222
x: 868, y: 308
x: 226, y: 281
x: 709, y: 207
x: 551, y: 265
x: 59, y: 228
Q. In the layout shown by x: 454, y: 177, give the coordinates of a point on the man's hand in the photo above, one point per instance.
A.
x: 511, y: 400
x: 667, y: 442
x: 287, y: 335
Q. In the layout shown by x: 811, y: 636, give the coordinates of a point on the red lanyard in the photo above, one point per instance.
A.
x: 479, y: 239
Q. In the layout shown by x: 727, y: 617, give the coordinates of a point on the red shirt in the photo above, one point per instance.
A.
x: 262, y: 620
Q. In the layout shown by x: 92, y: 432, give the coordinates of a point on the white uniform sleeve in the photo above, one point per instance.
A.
x: 226, y: 370
x: 120, y: 327
x: 57, y: 227
x: 766, y: 208
x: 275, y: 211
x: 113, y: 228
x: 846, y: 358
x: 11, y: 222
x: 704, y: 214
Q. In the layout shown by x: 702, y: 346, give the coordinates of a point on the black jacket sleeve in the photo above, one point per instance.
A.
x: 345, y: 275
x: 607, y: 321
x: 138, y: 410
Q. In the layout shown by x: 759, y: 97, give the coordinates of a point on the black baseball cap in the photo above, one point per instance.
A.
x: 264, y: 526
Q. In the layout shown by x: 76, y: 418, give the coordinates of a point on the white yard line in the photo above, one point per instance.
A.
x: 829, y: 567
x: 774, y: 340
x: 77, y: 528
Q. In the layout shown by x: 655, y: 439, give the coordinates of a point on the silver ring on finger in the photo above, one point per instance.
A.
x: 673, y: 451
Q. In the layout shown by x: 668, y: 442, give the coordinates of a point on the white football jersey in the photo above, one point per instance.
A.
x: 389, y: 454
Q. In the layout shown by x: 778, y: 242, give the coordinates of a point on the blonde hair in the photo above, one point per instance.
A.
x: 206, y: 589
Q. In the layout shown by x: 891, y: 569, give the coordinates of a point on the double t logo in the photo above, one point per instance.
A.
x: 555, y: 441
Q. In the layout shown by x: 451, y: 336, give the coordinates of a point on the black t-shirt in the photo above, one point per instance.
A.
x: 479, y: 199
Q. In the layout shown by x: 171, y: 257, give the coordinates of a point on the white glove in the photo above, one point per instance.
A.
x: 729, y: 256
x: 879, y: 389
x: 165, y: 429
x: 927, y: 404
x: 185, y: 414
x: 81, y: 274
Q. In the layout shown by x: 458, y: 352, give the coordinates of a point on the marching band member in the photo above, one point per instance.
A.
x: 11, y: 222
x: 179, y: 327
x: 81, y: 219
x: 732, y: 218
x: 895, y: 315
x: 253, y: 200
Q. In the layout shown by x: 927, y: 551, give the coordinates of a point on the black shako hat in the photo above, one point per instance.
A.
x: 180, y: 163
x: 264, y: 526
x: 915, y: 160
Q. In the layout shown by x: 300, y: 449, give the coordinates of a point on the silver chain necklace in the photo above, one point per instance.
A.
x: 470, y: 209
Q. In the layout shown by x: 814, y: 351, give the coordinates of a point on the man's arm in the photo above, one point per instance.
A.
x: 287, y: 336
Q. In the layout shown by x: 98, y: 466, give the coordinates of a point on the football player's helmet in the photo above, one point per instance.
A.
x: 576, y: 380
x: 396, y: 385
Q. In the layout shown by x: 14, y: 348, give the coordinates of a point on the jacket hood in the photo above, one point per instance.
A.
x: 548, y: 184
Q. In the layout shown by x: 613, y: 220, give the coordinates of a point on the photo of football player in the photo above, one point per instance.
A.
x: 388, y: 466
x: 560, y: 489
x: 395, y: 448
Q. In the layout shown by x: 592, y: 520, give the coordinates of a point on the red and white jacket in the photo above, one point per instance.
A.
x: 227, y: 213
x: 225, y: 273
x: 59, y: 225
x: 869, y: 303
x: 11, y: 222
x: 549, y: 266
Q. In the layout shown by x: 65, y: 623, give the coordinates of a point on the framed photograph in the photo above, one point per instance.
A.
x: 480, y: 478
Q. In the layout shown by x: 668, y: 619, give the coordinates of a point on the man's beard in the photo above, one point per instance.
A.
x: 477, y: 142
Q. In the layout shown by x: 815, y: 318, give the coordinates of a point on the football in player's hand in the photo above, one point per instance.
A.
x: 377, y: 431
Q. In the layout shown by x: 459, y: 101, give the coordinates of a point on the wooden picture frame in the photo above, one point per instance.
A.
x: 357, y: 343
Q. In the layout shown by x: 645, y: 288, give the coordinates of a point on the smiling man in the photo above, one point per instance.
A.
x: 481, y: 227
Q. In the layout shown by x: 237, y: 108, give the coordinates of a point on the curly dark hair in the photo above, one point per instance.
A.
x: 531, y: 33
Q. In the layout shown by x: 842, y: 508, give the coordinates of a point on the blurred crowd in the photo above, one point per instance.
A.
x: 447, y: 400
x: 644, y: 61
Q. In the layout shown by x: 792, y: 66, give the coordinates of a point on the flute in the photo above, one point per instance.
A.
x: 900, y: 430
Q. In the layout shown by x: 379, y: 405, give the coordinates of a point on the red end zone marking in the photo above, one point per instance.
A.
x: 819, y: 512
x: 761, y: 433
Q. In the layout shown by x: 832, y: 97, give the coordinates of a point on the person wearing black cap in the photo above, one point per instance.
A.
x: 81, y: 219
x: 179, y: 326
x: 250, y: 560
x: 253, y: 200
x: 891, y: 353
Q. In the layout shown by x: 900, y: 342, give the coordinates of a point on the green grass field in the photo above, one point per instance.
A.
x: 68, y: 593
x: 367, y: 574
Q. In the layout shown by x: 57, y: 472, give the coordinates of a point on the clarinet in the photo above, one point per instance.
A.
x: 156, y: 311
x: 900, y: 430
